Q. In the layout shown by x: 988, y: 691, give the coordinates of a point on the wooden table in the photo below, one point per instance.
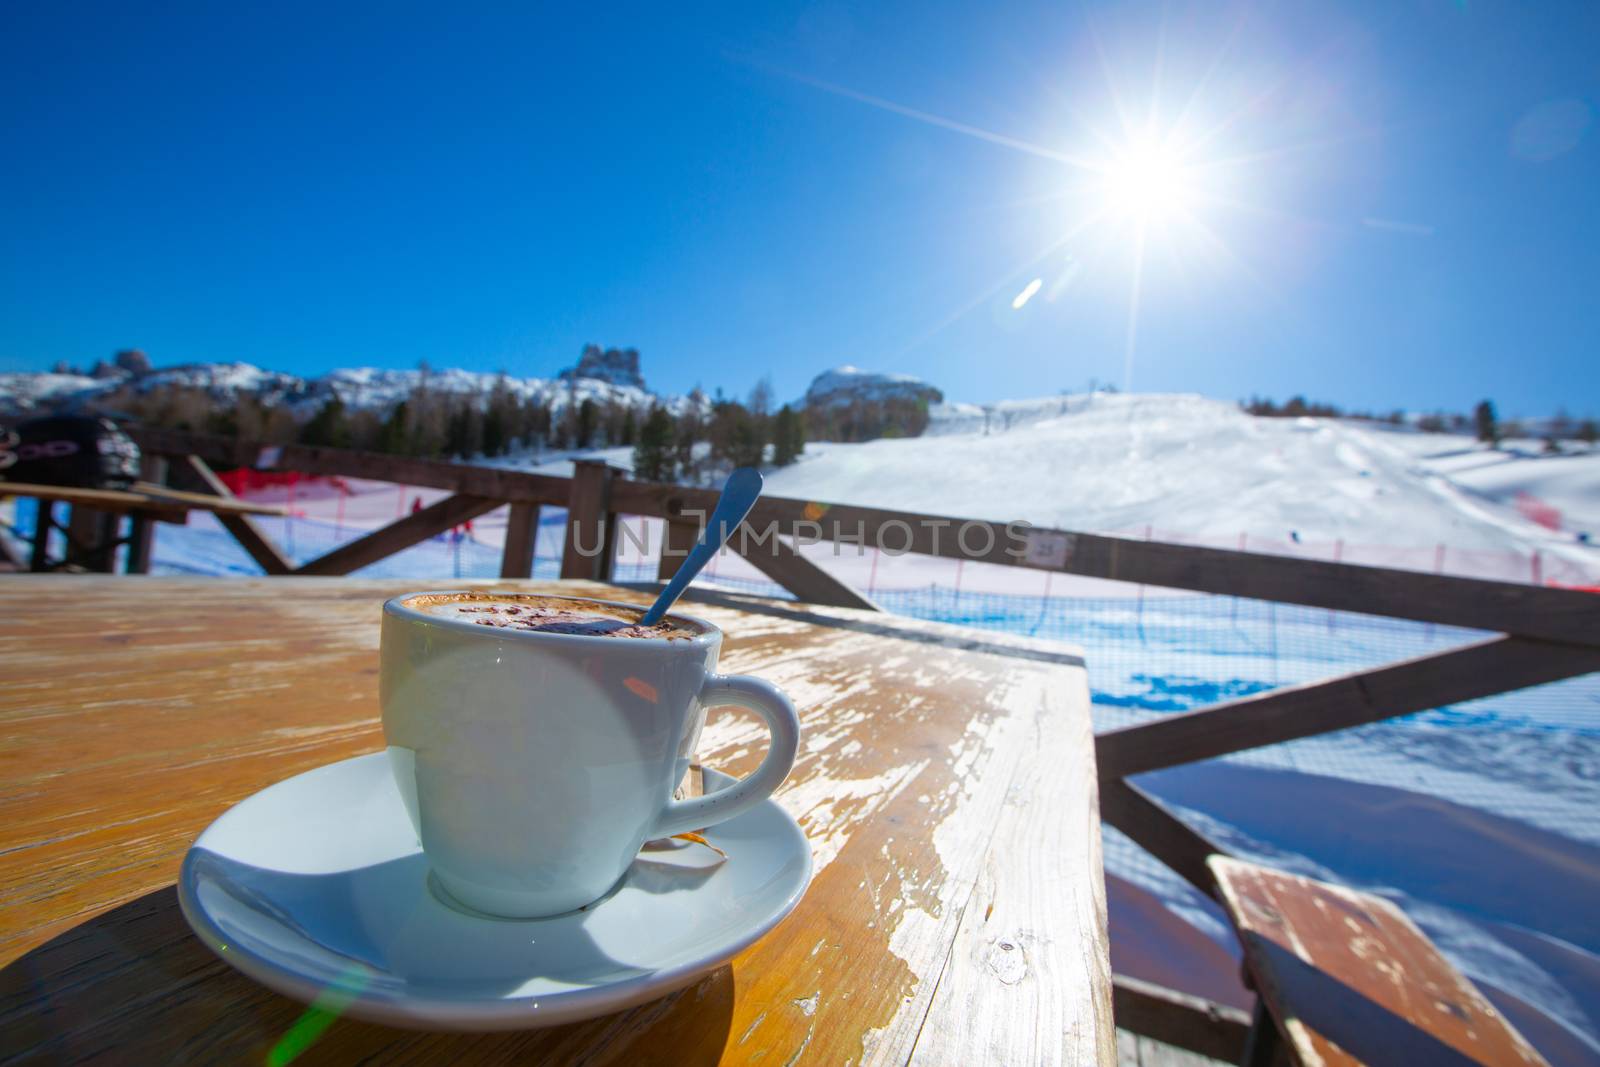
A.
x: 946, y: 782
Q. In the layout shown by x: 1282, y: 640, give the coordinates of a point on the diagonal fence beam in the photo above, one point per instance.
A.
x: 401, y: 534
x: 245, y: 530
x: 1478, y: 670
x: 1159, y: 832
x: 808, y: 582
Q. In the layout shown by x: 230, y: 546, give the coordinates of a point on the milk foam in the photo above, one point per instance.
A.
x: 545, y: 614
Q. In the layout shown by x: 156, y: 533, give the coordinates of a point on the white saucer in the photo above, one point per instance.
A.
x: 316, y: 887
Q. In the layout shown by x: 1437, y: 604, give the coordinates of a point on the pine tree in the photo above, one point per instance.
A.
x: 747, y: 446
x: 393, y: 438
x: 327, y: 427
x: 1484, y: 422
x: 588, y: 417
x: 494, y: 432
x: 455, y: 433
x: 788, y: 439
x: 797, y: 444
x: 653, y: 457
x: 737, y: 437
x: 687, y: 431
x: 535, y: 422
x: 1588, y: 431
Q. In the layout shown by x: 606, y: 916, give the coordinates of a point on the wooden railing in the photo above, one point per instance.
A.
x: 1542, y: 634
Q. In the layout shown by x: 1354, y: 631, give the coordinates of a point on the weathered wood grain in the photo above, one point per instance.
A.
x: 136, y: 710
x: 998, y: 999
x: 1350, y: 979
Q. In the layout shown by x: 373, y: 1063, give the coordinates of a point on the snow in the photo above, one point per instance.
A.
x: 27, y: 391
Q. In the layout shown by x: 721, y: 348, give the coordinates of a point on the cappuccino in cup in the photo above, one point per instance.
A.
x: 537, y: 741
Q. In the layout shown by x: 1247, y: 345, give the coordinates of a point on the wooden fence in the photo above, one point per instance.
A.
x: 1540, y: 634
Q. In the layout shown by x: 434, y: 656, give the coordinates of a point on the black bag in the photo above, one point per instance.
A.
x: 75, y: 450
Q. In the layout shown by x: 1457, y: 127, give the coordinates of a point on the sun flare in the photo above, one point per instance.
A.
x: 1147, y: 181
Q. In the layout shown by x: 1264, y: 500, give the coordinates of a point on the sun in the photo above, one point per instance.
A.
x: 1146, y: 180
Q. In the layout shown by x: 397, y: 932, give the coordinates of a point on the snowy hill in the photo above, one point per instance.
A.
x: 1183, y: 465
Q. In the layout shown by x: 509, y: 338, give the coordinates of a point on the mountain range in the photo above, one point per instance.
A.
x: 609, y: 378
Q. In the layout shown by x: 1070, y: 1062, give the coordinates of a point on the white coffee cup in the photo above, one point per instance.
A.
x: 535, y: 764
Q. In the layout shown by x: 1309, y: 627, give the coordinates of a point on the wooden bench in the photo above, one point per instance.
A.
x: 1346, y: 978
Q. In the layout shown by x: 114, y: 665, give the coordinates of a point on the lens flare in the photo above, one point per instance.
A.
x: 1027, y: 294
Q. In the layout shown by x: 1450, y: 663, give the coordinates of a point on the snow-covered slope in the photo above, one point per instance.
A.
x: 1183, y: 465
x: 1518, y: 474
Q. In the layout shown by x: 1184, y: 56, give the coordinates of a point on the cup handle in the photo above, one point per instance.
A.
x: 768, y: 701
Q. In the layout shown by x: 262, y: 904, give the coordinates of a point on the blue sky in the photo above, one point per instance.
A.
x: 1389, y: 204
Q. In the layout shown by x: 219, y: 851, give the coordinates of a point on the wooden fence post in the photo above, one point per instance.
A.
x: 92, y: 537
x: 43, y: 523
x: 522, y: 533
x: 677, y: 538
x: 141, y: 527
x: 591, y: 528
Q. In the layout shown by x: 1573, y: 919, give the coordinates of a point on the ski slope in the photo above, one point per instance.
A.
x: 1520, y: 470
x: 1199, y: 468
